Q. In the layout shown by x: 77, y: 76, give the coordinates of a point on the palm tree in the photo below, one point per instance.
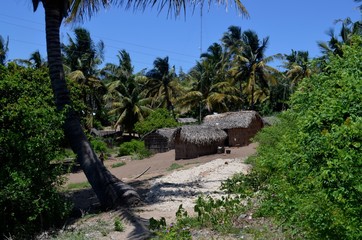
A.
x: 82, y: 54
x: 232, y: 42
x: 123, y: 71
x: 4, y: 48
x: 37, y: 60
x: 91, y: 92
x: 334, y: 45
x: 124, y: 98
x: 81, y: 57
x: 298, y: 66
x: 208, y: 93
x: 162, y: 84
x: 126, y: 102
x: 251, y: 65
x: 109, y: 190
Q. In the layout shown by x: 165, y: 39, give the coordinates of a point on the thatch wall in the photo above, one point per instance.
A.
x: 160, y: 140
x: 197, y: 140
x: 239, y: 126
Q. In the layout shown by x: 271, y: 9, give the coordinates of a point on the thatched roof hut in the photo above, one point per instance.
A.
x: 105, y: 133
x: 197, y: 140
x: 160, y: 140
x: 187, y: 120
x: 270, y: 121
x: 239, y: 126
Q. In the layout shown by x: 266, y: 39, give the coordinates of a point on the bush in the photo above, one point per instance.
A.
x: 135, y: 148
x: 309, y: 166
x: 160, y: 118
x: 99, y: 146
x: 30, y: 131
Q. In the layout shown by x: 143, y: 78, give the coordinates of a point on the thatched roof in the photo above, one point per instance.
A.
x: 200, y: 134
x: 105, y: 133
x: 186, y: 120
x: 166, y: 132
x: 269, y: 121
x: 230, y: 120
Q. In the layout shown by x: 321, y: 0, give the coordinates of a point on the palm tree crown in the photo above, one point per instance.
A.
x: 3, y: 49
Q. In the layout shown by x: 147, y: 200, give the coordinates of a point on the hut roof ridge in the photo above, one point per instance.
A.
x: 229, y: 120
x: 200, y: 134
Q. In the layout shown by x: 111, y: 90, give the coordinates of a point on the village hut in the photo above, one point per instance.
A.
x: 240, y: 126
x: 105, y: 133
x: 270, y: 121
x: 185, y: 121
x: 160, y: 140
x: 192, y: 141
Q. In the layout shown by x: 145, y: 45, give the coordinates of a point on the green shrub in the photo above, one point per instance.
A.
x: 30, y: 133
x: 99, y: 146
x: 118, y: 225
x: 119, y: 164
x: 309, y: 166
x: 135, y: 148
x: 160, y: 118
x: 179, y: 230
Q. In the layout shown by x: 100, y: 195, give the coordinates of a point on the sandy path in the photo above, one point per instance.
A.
x: 159, y: 164
x: 164, y: 190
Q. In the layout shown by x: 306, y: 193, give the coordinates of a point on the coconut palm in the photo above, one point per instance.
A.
x: 35, y: 61
x: 126, y: 102
x: 162, y: 84
x: 81, y: 57
x: 334, y: 45
x: 232, y: 42
x: 91, y: 91
x: 109, y: 190
x: 122, y: 71
x: 4, y: 48
x: 251, y: 66
x: 124, y: 98
x: 208, y: 93
x: 298, y: 66
x: 82, y: 54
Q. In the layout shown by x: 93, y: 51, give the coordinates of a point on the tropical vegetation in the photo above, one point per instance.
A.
x: 307, y: 169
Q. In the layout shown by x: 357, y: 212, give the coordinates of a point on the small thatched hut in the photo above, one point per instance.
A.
x: 160, y: 140
x: 239, y: 126
x: 105, y: 133
x: 270, y: 121
x: 197, y: 140
x: 185, y: 121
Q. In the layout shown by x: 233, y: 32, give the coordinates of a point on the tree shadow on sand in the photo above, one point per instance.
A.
x: 85, y: 202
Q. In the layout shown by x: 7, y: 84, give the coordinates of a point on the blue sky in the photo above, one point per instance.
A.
x: 147, y: 35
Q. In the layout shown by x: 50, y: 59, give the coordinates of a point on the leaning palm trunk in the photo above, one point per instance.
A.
x: 109, y: 190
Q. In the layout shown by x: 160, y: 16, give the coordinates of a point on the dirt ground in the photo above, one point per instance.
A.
x: 162, y: 189
x: 159, y: 163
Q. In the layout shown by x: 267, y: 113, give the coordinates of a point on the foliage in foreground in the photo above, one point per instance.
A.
x: 309, y: 166
x: 29, y: 135
x: 308, y: 170
x: 135, y: 148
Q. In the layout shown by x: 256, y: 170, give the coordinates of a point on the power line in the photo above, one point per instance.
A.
x: 97, y: 36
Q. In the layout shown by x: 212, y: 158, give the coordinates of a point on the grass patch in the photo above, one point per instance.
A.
x: 118, y: 225
x: 174, y: 166
x: 77, y: 186
x: 92, y: 230
x: 119, y: 164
